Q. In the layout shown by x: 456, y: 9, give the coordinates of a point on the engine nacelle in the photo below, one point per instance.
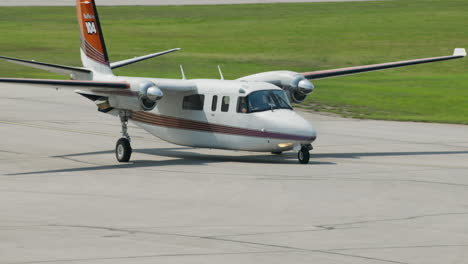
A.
x: 294, y: 83
x: 147, y: 96
x: 299, y: 89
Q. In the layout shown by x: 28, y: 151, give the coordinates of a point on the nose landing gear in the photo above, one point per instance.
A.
x: 123, y: 149
x: 303, y: 155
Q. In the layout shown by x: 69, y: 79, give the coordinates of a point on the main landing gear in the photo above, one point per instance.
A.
x: 303, y: 155
x: 123, y: 150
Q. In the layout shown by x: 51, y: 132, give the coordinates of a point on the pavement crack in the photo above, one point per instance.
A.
x: 149, y: 256
x: 110, y: 229
x: 66, y: 194
x: 77, y: 161
x: 300, y: 178
x: 213, y: 238
x: 305, y: 250
x: 10, y: 152
x: 396, y: 247
x: 393, y: 219
x: 129, y: 231
x: 316, y: 229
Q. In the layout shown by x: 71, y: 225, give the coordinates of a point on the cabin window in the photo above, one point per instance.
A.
x: 193, y: 102
x: 242, y: 105
x: 214, y: 103
x: 225, y: 104
x: 267, y: 100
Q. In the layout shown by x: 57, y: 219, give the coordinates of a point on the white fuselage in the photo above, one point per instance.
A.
x: 219, y: 126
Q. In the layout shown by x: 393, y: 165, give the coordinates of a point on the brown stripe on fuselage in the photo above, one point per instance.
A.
x: 179, y: 123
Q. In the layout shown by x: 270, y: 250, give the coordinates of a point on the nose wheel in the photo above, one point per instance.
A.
x: 123, y: 149
x: 304, y: 155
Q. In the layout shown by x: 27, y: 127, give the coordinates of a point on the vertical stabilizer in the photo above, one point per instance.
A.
x: 93, y: 48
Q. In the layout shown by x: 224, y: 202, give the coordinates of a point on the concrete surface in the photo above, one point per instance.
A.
x: 156, y: 2
x: 375, y: 192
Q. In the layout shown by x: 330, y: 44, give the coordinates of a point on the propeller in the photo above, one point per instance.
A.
x: 149, y: 94
x: 300, y: 87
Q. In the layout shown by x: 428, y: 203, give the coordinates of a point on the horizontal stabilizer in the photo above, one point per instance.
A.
x: 76, y: 72
x: 68, y: 84
x: 142, y: 58
x: 457, y: 54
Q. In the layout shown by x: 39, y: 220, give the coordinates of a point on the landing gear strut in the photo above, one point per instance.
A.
x: 303, y: 155
x: 123, y: 150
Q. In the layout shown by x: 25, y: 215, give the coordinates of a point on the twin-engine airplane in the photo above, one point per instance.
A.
x: 252, y: 113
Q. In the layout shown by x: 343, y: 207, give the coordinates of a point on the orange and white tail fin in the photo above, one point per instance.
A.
x: 93, y: 48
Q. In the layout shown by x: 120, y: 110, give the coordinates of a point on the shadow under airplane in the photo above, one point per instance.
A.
x: 185, y: 157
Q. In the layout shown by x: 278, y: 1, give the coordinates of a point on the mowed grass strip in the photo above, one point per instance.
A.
x: 246, y: 39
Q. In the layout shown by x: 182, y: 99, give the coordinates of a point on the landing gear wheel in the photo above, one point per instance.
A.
x: 123, y: 150
x: 303, y: 155
x: 277, y: 152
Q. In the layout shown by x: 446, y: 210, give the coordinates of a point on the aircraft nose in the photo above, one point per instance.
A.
x: 303, y: 128
x: 311, y: 131
x: 295, y: 125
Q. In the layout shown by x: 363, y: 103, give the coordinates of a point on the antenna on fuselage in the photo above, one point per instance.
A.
x: 183, y: 73
x: 220, y: 73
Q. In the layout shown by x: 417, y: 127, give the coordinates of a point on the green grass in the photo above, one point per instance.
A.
x: 246, y: 39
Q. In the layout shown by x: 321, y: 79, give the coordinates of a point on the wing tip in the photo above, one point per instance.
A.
x: 459, y: 52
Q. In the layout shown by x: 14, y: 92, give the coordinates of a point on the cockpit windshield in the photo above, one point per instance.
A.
x: 264, y: 100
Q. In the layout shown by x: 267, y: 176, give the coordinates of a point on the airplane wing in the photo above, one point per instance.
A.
x: 119, y: 64
x: 68, y: 84
x: 314, y: 75
x: 80, y: 73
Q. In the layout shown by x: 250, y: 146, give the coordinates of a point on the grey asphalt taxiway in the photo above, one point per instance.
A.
x: 374, y: 192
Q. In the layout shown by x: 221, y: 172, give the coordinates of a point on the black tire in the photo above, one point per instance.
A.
x: 123, y: 150
x: 277, y: 152
x: 303, y: 156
